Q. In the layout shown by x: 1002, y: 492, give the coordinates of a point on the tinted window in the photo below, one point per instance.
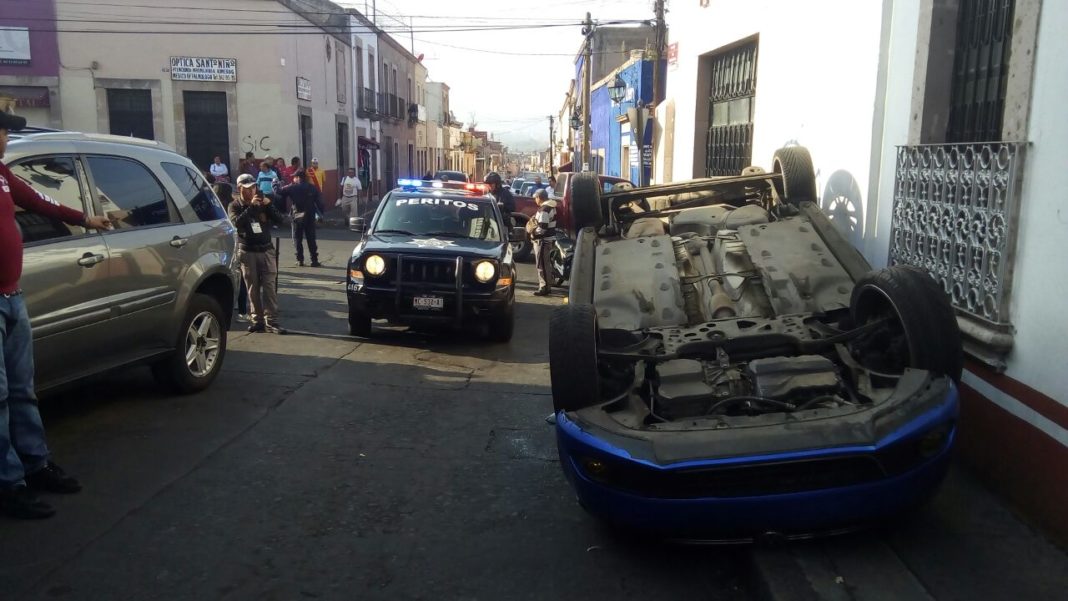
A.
x: 437, y: 216
x: 57, y: 178
x: 128, y: 193
x: 196, y: 192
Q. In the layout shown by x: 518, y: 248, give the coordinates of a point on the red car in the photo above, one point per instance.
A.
x: 525, y: 209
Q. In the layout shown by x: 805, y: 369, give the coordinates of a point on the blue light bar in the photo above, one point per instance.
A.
x: 408, y: 182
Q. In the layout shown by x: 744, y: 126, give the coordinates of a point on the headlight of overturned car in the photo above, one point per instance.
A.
x: 485, y: 271
x: 375, y: 265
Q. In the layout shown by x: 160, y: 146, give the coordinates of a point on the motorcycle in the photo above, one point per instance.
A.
x: 561, y: 253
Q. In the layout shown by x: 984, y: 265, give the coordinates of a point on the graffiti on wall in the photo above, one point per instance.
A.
x: 251, y: 143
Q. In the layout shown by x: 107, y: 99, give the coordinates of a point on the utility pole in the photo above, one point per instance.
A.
x: 550, y: 145
x: 587, y: 164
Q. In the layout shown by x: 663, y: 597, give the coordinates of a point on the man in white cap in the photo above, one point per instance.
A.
x: 25, y: 461
x: 252, y: 214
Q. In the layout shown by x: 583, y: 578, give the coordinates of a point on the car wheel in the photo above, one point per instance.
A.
x: 921, y: 330
x: 573, y: 368
x: 502, y: 325
x: 798, y: 177
x: 199, y: 351
x: 586, y: 201
x: 359, y: 323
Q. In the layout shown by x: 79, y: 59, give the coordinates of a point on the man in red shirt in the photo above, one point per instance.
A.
x: 25, y: 464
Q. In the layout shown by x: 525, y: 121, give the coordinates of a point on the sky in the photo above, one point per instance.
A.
x: 508, y: 80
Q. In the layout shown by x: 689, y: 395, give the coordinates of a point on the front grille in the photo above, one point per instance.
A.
x: 741, y: 481
x: 428, y: 271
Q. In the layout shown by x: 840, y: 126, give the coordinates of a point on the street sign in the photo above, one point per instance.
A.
x: 303, y: 88
x: 203, y: 68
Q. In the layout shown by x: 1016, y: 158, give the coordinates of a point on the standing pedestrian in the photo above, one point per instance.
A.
x: 25, y: 462
x: 250, y: 165
x: 266, y: 179
x: 543, y: 235
x: 551, y: 189
x: 294, y: 164
x: 305, y: 205
x: 252, y: 213
x: 314, y: 175
x: 219, y: 171
x: 350, y: 192
x: 285, y: 174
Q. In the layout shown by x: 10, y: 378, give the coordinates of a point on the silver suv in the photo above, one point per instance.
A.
x: 157, y: 288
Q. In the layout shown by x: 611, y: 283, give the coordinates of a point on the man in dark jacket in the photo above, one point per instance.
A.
x: 503, y: 195
x: 253, y: 214
x: 25, y: 461
x: 305, y: 204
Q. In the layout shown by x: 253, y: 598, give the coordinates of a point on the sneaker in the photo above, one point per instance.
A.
x: 242, y: 317
x: 21, y: 503
x: 541, y: 292
x: 256, y: 327
x: 316, y: 264
x: 52, y: 478
x: 299, y: 264
x: 276, y: 329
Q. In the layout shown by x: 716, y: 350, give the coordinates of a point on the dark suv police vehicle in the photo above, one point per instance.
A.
x: 435, y: 253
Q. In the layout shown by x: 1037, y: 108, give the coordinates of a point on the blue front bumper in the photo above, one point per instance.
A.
x: 794, y: 505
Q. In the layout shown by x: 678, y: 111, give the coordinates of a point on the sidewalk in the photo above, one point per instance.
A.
x: 964, y: 545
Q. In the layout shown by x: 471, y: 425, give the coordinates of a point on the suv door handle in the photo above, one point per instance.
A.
x: 179, y: 242
x: 90, y: 259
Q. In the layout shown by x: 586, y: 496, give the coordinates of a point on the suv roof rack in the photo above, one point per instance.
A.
x: 40, y: 133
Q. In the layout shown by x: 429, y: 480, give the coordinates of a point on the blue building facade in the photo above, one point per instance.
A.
x: 621, y: 134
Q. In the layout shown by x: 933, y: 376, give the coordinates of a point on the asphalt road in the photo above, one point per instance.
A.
x: 410, y: 466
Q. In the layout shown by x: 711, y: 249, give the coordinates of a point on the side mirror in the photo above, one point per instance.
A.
x: 357, y: 224
x: 517, y: 234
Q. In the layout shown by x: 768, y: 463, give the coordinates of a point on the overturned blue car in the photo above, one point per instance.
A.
x: 728, y: 367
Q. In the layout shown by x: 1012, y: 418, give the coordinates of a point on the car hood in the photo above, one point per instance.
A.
x: 422, y: 245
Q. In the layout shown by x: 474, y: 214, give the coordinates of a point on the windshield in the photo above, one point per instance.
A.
x: 428, y: 215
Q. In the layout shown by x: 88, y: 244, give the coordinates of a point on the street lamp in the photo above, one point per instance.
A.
x: 576, y: 121
x: 617, y: 90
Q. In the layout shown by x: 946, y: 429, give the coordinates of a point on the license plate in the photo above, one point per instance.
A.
x: 428, y: 303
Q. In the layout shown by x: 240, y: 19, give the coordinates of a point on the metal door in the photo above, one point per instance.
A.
x: 980, y: 70
x: 730, y: 114
x: 207, y: 131
x: 130, y: 113
x: 64, y: 277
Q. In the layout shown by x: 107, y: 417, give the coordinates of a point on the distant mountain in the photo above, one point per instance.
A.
x: 521, y: 142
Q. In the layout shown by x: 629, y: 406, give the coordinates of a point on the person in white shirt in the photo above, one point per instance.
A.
x: 220, y: 171
x: 350, y: 192
x: 551, y: 189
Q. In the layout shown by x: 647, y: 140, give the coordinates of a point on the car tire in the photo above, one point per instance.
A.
x: 798, y: 177
x: 586, y: 201
x: 359, y: 323
x: 573, y: 369
x: 201, y: 341
x: 502, y: 325
x: 923, y: 333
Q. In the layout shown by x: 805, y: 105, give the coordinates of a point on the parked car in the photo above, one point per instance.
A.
x: 158, y: 288
x: 434, y: 254
x: 452, y: 176
x: 729, y: 367
x: 515, y: 185
x: 525, y: 209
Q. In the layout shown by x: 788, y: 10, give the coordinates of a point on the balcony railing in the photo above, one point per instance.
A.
x: 956, y: 212
x: 369, y: 102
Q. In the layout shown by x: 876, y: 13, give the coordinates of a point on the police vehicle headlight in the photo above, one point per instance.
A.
x: 484, y: 271
x: 375, y: 265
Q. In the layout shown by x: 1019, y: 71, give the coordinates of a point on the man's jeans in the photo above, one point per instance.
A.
x: 305, y: 228
x: 22, y: 438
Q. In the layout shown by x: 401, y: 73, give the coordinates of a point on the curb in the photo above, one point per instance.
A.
x: 851, y: 568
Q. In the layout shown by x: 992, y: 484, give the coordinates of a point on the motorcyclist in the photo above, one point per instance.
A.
x: 503, y: 195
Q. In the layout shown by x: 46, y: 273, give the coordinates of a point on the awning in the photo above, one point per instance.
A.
x: 366, y: 142
x: 567, y: 167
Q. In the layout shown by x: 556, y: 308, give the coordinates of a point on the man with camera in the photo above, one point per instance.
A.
x: 253, y: 214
